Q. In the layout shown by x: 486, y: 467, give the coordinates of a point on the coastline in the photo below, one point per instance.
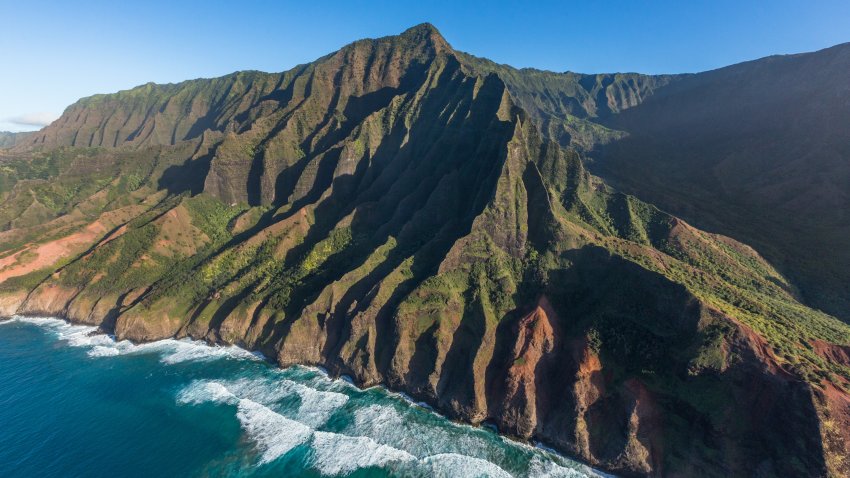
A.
x: 238, y: 351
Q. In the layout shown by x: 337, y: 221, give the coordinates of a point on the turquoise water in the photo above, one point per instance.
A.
x: 77, y: 404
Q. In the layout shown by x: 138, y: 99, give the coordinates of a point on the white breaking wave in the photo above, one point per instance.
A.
x: 315, y: 409
x: 450, y: 465
x: 540, y: 468
x: 202, y: 391
x: 274, y: 434
x: 75, y: 335
x: 185, y: 350
x: 378, y: 418
x: 172, y: 351
x: 423, y: 438
x: 317, y: 406
x: 337, y: 454
x: 378, y: 435
x: 259, y: 389
x: 407, y: 398
x: 40, y: 321
x: 446, y: 448
x: 332, y: 453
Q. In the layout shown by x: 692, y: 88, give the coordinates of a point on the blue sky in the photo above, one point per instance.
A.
x: 53, y: 52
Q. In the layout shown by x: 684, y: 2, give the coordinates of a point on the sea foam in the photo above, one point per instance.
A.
x: 434, y: 436
x: 278, y: 415
x: 276, y: 435
x: 171, y: 351
x: 333, y: 453
x: 337, y: 454
x: 317, y: 406
x: 202, y: 391
x: 540, y: 468
x: 450, y: 465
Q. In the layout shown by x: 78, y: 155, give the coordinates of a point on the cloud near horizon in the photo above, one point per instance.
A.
x: 39, y: 119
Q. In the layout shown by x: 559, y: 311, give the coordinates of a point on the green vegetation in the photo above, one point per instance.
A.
x: 568, y: 107
x: 401, y: 227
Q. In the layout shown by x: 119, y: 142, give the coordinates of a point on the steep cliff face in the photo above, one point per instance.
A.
x: 756, y: 151
x: 154, y: 114
x: 393, y: 214
x: 571, y: 108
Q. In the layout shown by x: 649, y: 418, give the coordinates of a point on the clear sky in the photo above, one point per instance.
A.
x: 54, y: 52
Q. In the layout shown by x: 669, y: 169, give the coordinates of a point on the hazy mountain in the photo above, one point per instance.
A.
x: 393, y: 212
x: 9, y: 139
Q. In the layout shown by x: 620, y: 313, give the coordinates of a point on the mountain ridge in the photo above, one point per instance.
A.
x: 765, y: 168
x: 390, y: 214
x: 9, y: 139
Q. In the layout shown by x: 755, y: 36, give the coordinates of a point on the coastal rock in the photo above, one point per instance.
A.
x: 10, y: 303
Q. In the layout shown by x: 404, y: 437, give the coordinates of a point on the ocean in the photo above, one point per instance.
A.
x: 77, y: 404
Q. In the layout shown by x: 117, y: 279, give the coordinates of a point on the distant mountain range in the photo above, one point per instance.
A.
x: 9, y: 139
x: 411, y: 215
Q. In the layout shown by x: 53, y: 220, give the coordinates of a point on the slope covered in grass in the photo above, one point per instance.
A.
x: 393, y: 212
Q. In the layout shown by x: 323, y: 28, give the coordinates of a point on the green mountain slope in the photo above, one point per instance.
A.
x: 570, y: 107
x: 757, y: 151
x: 154, y: 114
x: 393, y: 212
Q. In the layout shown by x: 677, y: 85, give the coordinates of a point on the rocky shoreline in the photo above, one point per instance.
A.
x: 350, y: 380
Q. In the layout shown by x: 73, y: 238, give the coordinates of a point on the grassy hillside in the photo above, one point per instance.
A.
x: 393, y: 212
x: 756, y: 151
x: 569, y: 107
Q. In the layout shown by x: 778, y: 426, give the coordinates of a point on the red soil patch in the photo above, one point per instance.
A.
x: 833, y: 353
x: 761, y: 349
x: 49, y: 253
x: 535, y: 337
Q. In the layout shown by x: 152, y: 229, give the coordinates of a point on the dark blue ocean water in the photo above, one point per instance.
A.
x: 73, y: 404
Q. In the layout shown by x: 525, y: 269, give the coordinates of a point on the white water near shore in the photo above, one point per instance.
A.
x: 280, y: 412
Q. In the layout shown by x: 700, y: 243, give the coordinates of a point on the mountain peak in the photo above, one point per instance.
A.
x: 424, y: 27
x: 426, y: 32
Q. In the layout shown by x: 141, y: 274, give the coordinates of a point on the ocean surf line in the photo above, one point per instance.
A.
x: 79, y: 403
